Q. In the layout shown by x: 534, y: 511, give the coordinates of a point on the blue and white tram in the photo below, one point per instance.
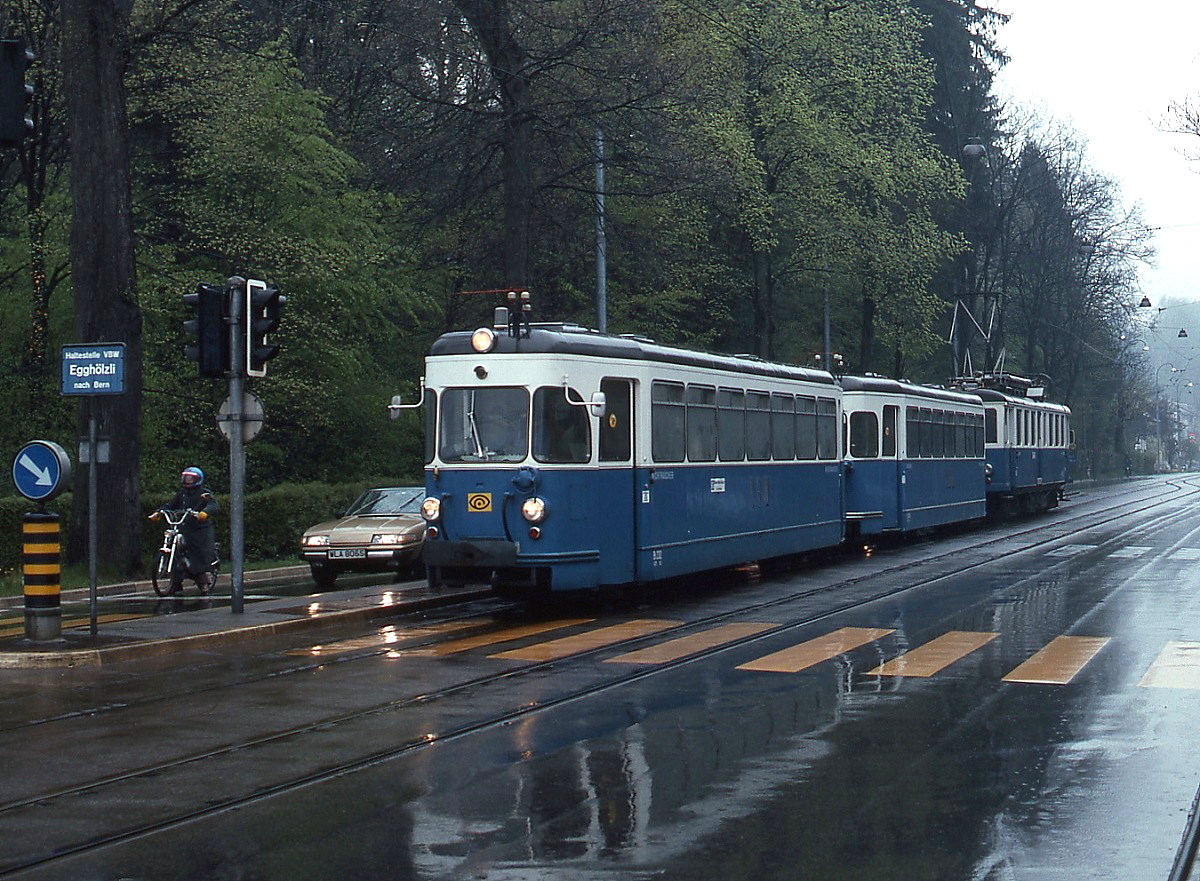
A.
x: 559, y: 459
x: 1028, y: 443
x: 915, y: 456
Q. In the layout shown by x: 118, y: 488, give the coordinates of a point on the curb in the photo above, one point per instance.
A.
x: 99, y: 655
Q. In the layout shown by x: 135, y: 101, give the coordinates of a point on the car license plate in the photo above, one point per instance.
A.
x: 347, y: 553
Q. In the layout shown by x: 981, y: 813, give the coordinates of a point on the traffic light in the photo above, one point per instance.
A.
x: 263, y: 307
x: 15, y: 93
x: 210, y: 350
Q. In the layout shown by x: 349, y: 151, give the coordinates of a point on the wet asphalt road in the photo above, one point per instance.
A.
x: 1009, y: 708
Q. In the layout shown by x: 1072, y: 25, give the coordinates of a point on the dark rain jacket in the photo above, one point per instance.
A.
x: 198, y: 535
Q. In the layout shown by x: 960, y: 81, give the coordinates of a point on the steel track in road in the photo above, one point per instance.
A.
x: 1025, y: 539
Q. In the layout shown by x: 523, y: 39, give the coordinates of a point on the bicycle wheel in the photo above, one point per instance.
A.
x: 160, y: 573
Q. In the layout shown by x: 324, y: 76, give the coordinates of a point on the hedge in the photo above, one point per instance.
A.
x: 274, y: 519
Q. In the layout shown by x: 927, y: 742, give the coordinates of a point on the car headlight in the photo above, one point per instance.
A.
x: 431, y: 509
x: 315, y: 541
x: 392, y: 538
x: 533, y: 510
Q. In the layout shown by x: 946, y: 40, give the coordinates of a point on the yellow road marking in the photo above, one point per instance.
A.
x: 808, y: 654
x: 72, y: 623
x: 935, y: 655
x: 689, y: 645
x: 1177, y: 666
x: 467, y: 643
x: 1059, y: 662
x: 582, y: 642
x: 385, y: 636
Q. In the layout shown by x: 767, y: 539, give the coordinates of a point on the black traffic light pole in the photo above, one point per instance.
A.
x: 236, y: 290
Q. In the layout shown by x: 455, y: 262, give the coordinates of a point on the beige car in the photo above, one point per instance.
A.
x: 381, y: 532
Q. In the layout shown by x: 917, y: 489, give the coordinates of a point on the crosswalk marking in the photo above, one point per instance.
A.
x: 467, y: 643
x: 1070, y: 550
x: 935, y: 655
x: 1177, y: 666
x: 383, y: 637
x: 1131, y: 551
x: 582, y: 642
x: 692, y: 644
x: 1059, y: 662
x: 1190, y: 554
x: 808, y: 654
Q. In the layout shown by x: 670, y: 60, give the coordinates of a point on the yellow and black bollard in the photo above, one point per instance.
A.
x: 42, y: 569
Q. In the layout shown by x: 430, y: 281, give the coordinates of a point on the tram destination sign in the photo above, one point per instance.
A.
x: 93, y: 369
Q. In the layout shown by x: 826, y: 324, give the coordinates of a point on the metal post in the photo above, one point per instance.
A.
x: 601, y: 239
x: 93, y: 534
x: 237, y: 450
x: 828, y: 365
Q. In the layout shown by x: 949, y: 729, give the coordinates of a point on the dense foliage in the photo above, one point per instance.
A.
x: 380, y: 162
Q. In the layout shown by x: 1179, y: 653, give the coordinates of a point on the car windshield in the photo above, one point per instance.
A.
x: 392, y: 500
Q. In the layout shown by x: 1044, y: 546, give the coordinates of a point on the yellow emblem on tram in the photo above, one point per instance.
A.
x: 480, y: 503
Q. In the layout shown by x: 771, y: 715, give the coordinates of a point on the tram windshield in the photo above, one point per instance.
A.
x: 484, y: 425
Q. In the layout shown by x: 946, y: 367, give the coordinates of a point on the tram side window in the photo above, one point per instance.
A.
x: 783, y: 426
x: 731, y: 425
x: 615, y: 440
x: 806, y: 428
x: 758, y: 426
x: 668, y: 436
x: 827, y: 445
x: 891, y: 413
x: 429, y: 411
x: 701, y: 423
x: 990, y: 430
x: 561, y: 432
x: 864, y: 435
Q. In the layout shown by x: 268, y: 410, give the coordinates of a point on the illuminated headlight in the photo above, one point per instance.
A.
x: 431, y: 509
x: 533, y: 510
x: 483, y: 340
x: 315, y: 541
x: 391, y: 538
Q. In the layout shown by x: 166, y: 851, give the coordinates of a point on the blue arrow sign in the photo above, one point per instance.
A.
x: 41, y: 470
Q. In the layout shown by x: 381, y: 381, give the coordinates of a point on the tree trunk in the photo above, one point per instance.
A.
x: 102, y: 266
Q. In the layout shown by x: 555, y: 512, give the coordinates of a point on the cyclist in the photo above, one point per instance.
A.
x: 200, y: 543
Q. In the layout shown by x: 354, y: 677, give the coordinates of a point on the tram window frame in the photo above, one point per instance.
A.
x: 864, y: 434
x: 991, y: 427
x: 827, y: 429
x: 616, y: 439
x: 561, y: 430
x: 806, y: 427
x: 758, y: 426
x: 783, y: 426
x: 429, y: 412
x: 960, y: 435
x: 891, y: 418
x: 494, y: 418
x: 701, y: 423
x: 668, y: 421
x: 731, y: 424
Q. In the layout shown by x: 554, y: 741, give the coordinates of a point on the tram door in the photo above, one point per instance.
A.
x: 617, y: 552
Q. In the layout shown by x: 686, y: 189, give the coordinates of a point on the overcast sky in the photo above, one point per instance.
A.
x: 1110, y: 69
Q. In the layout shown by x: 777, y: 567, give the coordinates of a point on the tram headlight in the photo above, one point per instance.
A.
x: 533, y: 510
x: 483, y: 340
x: 431, y: 509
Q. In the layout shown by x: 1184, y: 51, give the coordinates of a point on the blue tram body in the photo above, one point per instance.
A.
x: 1028, y: 448
x: 562, y: 459
x: 915, y: 456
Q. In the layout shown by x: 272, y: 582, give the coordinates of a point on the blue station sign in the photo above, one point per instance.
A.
x: 41, y: 470
x: 93, y: 369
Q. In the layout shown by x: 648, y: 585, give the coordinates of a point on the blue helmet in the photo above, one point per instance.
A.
x: 195, y: 474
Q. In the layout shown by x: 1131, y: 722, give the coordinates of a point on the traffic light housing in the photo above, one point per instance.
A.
x: 206, y: 329
x: 15, y: 93
x: 264, y: 304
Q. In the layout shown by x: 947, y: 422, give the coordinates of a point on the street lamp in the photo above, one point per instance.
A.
x: 1158, y: 456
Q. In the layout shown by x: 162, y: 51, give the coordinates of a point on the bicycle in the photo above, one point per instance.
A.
x: 171, y: 562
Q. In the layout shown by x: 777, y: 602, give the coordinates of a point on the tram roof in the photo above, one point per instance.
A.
x: 884, y: 385
x: 569, y: 339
